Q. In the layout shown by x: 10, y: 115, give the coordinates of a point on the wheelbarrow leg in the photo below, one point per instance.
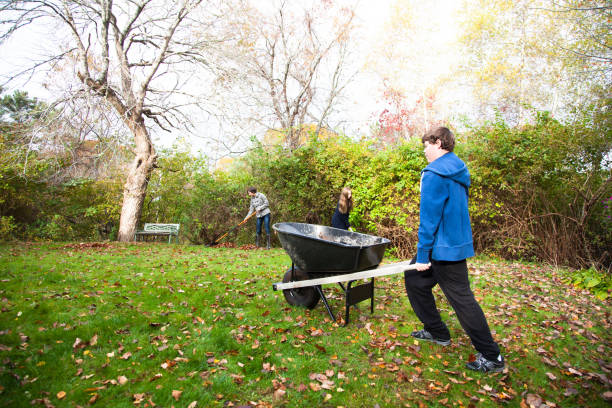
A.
x: 331, y: 314
x: 358, y: 294
x: 347, y: 304
x: 372, y: 300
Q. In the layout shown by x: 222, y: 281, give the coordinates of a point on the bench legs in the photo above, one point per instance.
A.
x: 155, y: 235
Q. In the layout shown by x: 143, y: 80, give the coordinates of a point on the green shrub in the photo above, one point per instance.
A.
x: 534, y: 190
x: 541, y: 191
x: 184, y: 191
x: 598, y: 283
x: 385, y: 184
x: 57, y: 228
x: 7, y: 227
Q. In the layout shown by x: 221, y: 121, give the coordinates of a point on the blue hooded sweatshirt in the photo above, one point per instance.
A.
x: 445, y: 233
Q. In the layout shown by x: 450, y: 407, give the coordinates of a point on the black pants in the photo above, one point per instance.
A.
x: 453, y: 280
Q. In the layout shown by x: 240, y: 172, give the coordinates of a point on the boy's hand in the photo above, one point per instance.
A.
x: 422, y: 267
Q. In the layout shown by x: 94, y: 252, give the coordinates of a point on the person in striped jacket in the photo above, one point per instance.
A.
x: 260, y: 205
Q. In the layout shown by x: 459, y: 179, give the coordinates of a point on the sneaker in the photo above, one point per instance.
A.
x: 427, y: 336
x: 486, y: 366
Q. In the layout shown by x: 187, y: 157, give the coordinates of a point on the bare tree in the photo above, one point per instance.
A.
x: 590, y: 40
x: 135, y: 55
x: 292, y: 67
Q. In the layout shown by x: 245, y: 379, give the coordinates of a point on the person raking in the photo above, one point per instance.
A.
x: 260, y: 205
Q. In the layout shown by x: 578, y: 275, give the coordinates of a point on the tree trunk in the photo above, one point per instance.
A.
x: 135, y: 188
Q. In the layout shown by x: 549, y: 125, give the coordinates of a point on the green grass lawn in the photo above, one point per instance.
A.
x: 166, y: 325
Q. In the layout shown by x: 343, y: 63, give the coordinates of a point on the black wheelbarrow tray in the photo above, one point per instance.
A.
x: 322, y: 255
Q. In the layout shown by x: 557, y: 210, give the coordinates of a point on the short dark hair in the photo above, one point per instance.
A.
x: 442, y: 134
x: 252, y: 190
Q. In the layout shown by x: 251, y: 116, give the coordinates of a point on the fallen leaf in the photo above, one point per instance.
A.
x: 550, y: 362
x: 138, y: 398
x: 122, y: 379
x: 176, y: 394
x: 156, y: 376
x: 570, y: 391
x: 320, y: 348
x: 533, y: 400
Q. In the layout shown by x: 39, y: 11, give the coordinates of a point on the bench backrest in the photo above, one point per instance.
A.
x: 162, y: 227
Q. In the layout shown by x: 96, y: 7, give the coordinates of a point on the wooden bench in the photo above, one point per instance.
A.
x: 151, y: 230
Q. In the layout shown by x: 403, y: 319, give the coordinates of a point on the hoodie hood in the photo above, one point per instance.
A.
x: 450, y: 166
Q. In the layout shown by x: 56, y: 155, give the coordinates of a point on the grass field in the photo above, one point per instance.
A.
x: 145, y: 325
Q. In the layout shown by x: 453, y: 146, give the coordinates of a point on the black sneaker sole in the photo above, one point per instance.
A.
x: 494, y: 370
x: 440, y: 342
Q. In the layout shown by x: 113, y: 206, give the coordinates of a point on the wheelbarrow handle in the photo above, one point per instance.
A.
x: 388, y: 269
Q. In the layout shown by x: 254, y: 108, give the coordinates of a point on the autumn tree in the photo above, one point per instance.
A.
x: 544, y: 54
x: 411, y: 76
x: 400, y: 119
x: 135, y: 56
x: 586, y: 37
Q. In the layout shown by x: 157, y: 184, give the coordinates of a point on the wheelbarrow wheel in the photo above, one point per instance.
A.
x: 307, y: 297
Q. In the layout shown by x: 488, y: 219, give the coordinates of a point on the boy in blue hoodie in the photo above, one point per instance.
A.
x: 445, y: 241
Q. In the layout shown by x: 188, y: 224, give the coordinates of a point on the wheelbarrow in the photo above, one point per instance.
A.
x: 322, y: 255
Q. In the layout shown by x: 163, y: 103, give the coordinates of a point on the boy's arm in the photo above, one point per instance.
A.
x: 434, y: 193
